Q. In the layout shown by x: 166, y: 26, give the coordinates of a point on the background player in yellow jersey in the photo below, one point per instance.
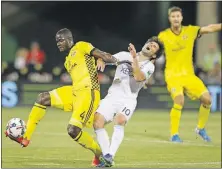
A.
x: 179, y: 72
x: 82, y: 98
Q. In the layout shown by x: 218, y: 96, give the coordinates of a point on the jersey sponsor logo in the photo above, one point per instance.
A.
x: 184, y: 37
x: 179, y: 47
x: 69, y: 65
x: 73, y: 53
x: 127, y: 71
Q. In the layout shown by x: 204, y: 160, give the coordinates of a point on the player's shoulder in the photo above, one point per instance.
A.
x: 164, y: 34
x: 82, y: 43
x: 192, y: 27
x: 165, y: 31
x: 122, y: 53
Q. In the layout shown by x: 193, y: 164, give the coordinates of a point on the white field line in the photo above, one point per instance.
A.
x: 145, y: 163
x: 39, y: 158
x: 43, y: 164
x: 185, y: 142
x: 141, y: 163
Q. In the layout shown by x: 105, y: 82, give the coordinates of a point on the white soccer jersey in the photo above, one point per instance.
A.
x: 124, y: 84
x: 122, y: 94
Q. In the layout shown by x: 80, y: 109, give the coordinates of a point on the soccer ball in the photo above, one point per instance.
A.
x: 16, y: 127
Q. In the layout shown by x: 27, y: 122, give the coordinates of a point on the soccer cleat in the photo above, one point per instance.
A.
x: 23, y: 141
x: 106, y: 161
x: 95, y: 161
x: 203, y: 134
x: 175, y: 138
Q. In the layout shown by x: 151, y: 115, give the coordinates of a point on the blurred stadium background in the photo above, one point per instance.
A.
x: 31, y: 59
x: 31, y: 62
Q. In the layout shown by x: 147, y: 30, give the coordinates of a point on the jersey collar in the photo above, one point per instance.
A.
x: 175, y: 33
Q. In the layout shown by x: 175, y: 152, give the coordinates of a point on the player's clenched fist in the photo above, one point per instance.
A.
x: 132, y: 50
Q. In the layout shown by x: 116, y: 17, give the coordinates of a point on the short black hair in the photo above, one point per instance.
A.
x: 160, y: 52
x: 66, y: 32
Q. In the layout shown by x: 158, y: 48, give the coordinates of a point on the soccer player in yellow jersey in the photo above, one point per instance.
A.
x: 179, y: 72
x: 82, y: 97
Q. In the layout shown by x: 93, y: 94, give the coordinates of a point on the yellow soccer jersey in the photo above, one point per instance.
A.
x: 179, y: 50
x: 81, y: 67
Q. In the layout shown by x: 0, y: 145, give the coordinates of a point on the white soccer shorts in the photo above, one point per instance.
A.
x: 111, y: 105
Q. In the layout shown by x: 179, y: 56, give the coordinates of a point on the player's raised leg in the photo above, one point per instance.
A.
x: 37, y: 113
x: 85, y: 103
x: 59, y: 98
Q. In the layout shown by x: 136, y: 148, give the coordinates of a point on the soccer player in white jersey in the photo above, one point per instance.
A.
x: 119, y: 104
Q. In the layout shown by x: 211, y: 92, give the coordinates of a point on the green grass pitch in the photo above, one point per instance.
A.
x: 146, y: 143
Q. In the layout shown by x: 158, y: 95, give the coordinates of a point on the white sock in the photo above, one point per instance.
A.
x: 103, y: 140
x: 117, y: 138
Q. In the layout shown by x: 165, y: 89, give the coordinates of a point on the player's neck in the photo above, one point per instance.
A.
x: 176, y: 30
x: 142, y: 57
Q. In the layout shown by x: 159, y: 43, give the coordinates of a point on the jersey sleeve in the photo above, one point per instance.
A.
x: 148, y: 70
x: 160, y: 36
x: 120, y: 56
x: 194, y: 31
x: 86, y: 47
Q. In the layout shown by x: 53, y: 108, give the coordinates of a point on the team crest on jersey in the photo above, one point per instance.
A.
x: 184, y: 37
x: 73, y: 53
x: 149, y: 73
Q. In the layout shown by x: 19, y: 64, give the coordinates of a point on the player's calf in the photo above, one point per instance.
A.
x: 205, y: 99
x: 118, y: 133
x: 101, y: 134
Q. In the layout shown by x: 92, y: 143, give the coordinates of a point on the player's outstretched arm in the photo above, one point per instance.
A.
x: 210, y: 28
x: 137, y: 73
x: 106, y: 57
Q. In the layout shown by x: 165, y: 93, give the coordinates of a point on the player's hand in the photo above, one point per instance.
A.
x: 100, y: 64
x: 132, y: 50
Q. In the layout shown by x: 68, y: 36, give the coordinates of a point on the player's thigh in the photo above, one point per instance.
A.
x: 127, y: 108
x: 62, y: 98
x: 175, y: 86
x: 107, y: 108
x: 85, y: 103
x: 194, y: 87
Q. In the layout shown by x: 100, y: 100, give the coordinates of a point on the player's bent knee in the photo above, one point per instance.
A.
x: 206, y: 99
x: 44, y: 99
x: 73, y: 131
x: 120, y: 120
x: 179, y: 100
x: 99, y: 121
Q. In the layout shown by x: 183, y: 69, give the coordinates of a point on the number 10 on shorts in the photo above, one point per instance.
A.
x: 126, y: 111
